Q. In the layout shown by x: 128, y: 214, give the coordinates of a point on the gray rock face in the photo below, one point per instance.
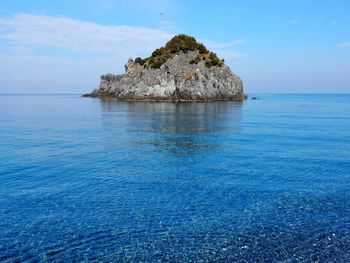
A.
x: 176, y: 80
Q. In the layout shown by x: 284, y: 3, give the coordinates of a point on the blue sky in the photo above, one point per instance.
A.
x: 274, y: 45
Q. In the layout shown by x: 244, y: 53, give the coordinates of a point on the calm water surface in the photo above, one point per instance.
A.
x: 92, y: 180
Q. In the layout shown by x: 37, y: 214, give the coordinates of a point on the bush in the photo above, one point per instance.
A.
x: 157, y: 62
x: 158, y: 52
x: 138, y: 60
x: 150, y: 60
x: 213, y: 60
x: 184, y: 43
x: 141, y: 61
x: 202, y: 49
x: 180, y: 43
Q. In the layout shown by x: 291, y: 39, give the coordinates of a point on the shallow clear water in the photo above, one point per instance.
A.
x: 86, y: 179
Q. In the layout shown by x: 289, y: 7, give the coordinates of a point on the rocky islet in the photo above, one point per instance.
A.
x: 182, y: 70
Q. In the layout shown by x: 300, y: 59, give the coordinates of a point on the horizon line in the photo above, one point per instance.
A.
x: 248, y: 93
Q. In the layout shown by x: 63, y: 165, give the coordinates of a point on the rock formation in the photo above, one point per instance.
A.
x: 182, y: 70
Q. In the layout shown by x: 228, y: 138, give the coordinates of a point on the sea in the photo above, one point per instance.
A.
x: 90, y: 180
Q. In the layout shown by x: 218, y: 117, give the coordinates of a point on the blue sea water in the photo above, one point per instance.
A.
x: 254, y: 181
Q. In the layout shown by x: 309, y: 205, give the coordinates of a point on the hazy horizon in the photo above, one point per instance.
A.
x: 289, y: 47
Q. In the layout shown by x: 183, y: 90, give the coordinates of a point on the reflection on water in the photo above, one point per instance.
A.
x: 108, y: 181
x: 179, y: 128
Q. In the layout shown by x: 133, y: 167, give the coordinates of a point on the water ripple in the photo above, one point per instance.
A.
x: 104, y: 181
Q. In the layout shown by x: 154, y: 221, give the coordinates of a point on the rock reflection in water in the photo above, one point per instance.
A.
x: 179, y: 128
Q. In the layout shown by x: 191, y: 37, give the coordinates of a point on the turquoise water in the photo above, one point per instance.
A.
x: 91, y: 180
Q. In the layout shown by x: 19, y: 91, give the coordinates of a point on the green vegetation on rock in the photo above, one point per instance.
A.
x: 213, y: 60
x: 180, y: 43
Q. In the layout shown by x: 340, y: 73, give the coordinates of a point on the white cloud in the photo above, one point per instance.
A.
x: 223, y: 49
x: 89, y: 49
x: 59, y: 54
x: 293, y: 21
x: 344, y: 45
x: 226, y: 54
x: 215, y: 45
x: 79, y: 37
x: 27, y: 32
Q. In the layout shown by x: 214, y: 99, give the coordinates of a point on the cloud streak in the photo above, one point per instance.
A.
x: 226, y: 54
x: 215, y: 45
x: 224, y: 49
x: 344, y: 45
x: 79, y: 37
x: 293, y: 21
x: 26, y: 32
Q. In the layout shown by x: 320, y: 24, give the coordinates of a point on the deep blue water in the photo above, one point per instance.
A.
x: 91, y: 180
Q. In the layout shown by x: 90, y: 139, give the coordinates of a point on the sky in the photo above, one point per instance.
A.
x: 279, y: 46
